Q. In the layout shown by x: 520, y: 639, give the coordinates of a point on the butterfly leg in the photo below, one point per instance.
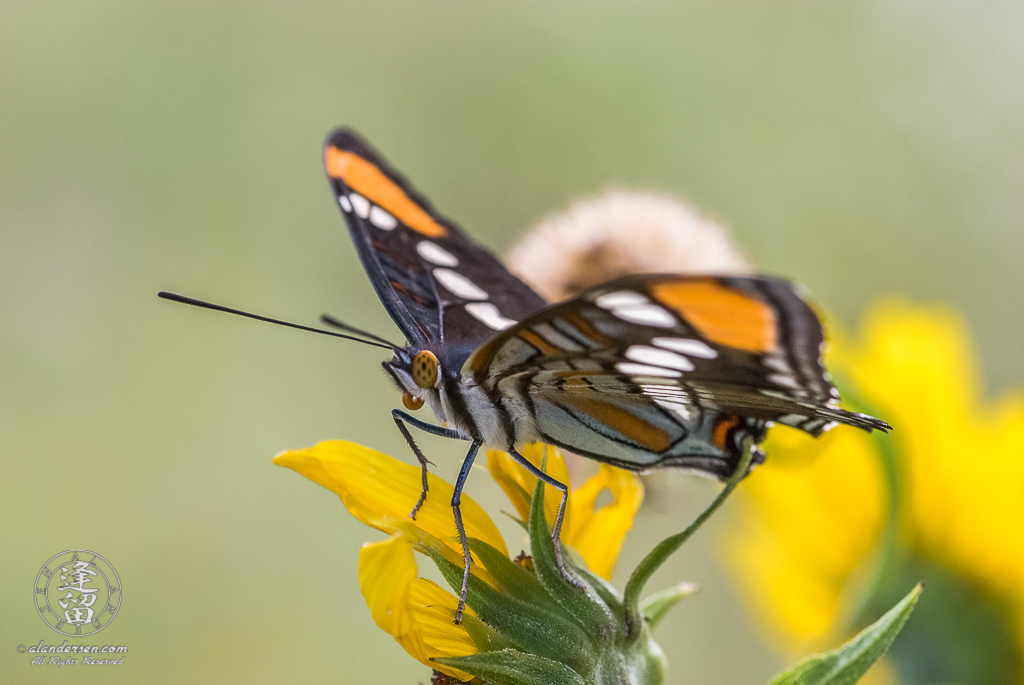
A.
x: 556, y: 531
x: 467, y: 464
x: 401, y: 418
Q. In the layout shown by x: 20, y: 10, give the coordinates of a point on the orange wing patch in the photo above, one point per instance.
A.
x: 647, y: 435
x: 369, y: 181
x: 722, y: 430
x: 540, y: 343
x: 722, y: 314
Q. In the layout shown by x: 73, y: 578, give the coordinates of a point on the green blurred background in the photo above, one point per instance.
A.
x: 861, y: 148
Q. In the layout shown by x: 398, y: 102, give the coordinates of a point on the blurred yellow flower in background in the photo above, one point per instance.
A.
x: 805, y: 525
x: 808, y: 544
x: 380, y: 490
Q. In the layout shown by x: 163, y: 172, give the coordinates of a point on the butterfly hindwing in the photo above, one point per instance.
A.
x: 632, y: 431
x: 437, y: 284
x: 653, y: 366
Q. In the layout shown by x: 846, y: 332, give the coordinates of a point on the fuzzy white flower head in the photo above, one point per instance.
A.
x: 617, y: 234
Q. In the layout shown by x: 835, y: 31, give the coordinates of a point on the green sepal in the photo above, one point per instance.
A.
x: 509, y: 667
x: 485, y: 638
x: 526, y: 626
x: 521, y: 523
x: 523, y: 492
x: 583, y: 604
x: 510, y: 576
x: 655, y: 607
x: 847, y: 664
x: 605, y: 590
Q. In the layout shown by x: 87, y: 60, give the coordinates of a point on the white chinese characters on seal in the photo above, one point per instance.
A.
x: 77, y: 593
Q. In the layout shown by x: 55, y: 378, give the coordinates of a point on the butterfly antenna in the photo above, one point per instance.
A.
x: 341, y: 325
x: 220, y: 308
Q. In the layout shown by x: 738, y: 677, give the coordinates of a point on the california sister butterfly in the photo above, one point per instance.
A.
x: 644, y: 372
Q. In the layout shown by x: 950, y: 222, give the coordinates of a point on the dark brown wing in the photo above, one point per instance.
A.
x: 437, y: 284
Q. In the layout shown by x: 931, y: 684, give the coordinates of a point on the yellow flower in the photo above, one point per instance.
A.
x: 597, y: 534
x: 813, y: 512
x: 807, y: 529
x: 380, y: 490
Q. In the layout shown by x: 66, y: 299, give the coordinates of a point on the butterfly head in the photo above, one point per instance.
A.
x: 419, y: 374
x: 422, y: 372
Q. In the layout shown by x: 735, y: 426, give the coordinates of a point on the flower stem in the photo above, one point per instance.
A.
x: 664, y: 549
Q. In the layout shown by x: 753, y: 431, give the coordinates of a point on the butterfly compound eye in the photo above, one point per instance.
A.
x: 424, y: 369
x: 411, y: 402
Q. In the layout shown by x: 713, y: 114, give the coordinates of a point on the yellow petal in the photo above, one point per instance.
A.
x: 423, y: 541
x: 519, y: 484
x: 796, y: 549
x: 380, y: 491
x: 965, y: 477
x: 386, y: 569
x: 598, y: 534
x: 803, y: 524
x: 511, y: 477
x: 416, y: 612
x: 433, y: 610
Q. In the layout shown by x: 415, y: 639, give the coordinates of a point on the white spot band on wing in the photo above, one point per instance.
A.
x: 360, y: 204
x: 645, y: 370
x: 694, y: 348
x: 381, y: 219
x: 785, y: 381
x: 435, y: 254
x: 459, y: 285
x: 635, y: 308
x: 777, y: 364
x: 489, y: 315
x: 345, y: 204
x: 680, y: 409
x: 652, y: 355
x: 621, y: 298
x: 655, y: 390
x: 646, y: 314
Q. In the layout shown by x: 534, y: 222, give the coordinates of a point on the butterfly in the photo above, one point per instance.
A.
x: 648, y: 371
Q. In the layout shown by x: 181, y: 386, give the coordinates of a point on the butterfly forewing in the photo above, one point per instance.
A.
x: 438, y: 285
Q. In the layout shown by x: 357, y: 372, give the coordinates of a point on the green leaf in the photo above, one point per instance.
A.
x: 509, y: 667
x: 655, y: 607
x: 847, y: 664
x: 526, y: 626
x: 583, y: 604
